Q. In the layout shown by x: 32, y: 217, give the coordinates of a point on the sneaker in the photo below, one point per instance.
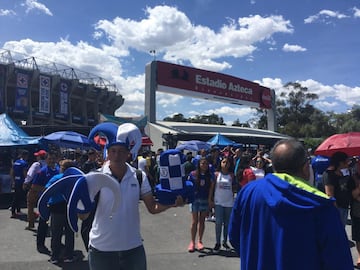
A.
x: 200, y: 246
x: 226, y: 246
x: 43, y: 250
x: 216, y: 248
x: 13, y: 215
x: 53, y: 260
x: 191, y: 247
x: 69, y: 260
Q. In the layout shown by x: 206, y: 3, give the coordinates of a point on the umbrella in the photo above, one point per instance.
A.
x: 220, y: 141
x: 69, y: 139
x: 193, y: 145
x: 348, y: 143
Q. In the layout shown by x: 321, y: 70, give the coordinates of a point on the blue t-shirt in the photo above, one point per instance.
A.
x: 19, y: 167
x: 45, y: 174
x: 201, y: 186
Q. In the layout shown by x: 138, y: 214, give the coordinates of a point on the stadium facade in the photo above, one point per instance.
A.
x: 44, y: 97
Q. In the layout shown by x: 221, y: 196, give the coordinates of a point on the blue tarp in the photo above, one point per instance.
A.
x: 220, y: 140
x: 12, y: 135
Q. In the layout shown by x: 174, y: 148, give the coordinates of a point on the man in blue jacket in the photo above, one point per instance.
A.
x: 281, y: 222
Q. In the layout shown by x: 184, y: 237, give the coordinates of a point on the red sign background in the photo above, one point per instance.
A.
x: 178, y: 79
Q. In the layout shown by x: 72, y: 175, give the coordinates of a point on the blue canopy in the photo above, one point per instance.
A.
x: 11, y: 134
x: 67, y: 139
x: 220, y: 140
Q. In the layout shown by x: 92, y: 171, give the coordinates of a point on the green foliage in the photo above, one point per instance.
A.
x: 313, y: 143
x: 201, y: 119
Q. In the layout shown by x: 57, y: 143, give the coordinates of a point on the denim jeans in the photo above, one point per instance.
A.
x: 133, y: 259
x: 222, y: 215
x: 343, y: 215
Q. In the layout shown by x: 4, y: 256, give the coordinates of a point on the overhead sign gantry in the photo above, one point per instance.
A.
x: 193, y: 82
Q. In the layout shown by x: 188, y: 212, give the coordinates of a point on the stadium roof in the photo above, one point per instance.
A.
x: 190, y: 131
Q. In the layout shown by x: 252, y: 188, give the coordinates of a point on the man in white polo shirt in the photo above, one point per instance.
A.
x: 118, y: 244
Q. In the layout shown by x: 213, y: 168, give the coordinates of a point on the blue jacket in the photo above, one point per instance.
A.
x: 58, y: 198
x: 280, y: 222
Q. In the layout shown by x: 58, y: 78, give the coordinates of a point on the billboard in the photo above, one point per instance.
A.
x: 188, y: 81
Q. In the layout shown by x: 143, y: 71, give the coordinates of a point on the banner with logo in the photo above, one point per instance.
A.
x: 21, y: 97
x: 182, y: 80
x: 64, y: 97
x: 44, y: 94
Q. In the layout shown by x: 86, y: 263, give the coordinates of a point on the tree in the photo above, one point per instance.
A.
x: 202, y: 119
x: 237, y: 123
x: 296, y: 116
x: 207, y: 119
x: 176, y: 118
x: 347, y: 122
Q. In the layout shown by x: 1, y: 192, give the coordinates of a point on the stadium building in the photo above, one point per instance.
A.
x: 44, y: 97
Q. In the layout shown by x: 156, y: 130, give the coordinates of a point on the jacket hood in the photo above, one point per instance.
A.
x: 283, y: 192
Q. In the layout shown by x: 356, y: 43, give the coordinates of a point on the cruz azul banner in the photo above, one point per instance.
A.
x: 44, y: 94
x: 182, y: 80
x: 21, y: 97
x: 64, y: 98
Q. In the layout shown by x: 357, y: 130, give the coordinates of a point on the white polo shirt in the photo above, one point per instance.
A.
x: 119, y: 231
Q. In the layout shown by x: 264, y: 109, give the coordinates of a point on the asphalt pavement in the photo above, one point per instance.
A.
x: 166, y: 237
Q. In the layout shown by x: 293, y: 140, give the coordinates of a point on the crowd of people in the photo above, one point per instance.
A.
x: 258, y: 199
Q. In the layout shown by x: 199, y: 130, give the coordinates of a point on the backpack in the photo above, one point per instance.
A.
x: 87, y: 223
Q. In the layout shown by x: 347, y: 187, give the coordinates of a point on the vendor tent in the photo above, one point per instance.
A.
x: 220, y: 141
x: 11, y: 134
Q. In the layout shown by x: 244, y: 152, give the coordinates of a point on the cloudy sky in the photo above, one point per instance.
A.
x: 272, y: 42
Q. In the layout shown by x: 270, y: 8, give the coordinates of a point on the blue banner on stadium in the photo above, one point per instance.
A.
x: 21, y: 97
x: 44, y: 94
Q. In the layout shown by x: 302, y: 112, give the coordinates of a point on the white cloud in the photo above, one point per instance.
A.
x: 167, y: 100
x: 237, y: 112
x: 7, y: 12
x: 35, y: 5
x: 170, y: 32
x: 329, y: 96
x: 326, y: 105
x: 324, y: 15
x: 356, y: 12
x: 293, y: 48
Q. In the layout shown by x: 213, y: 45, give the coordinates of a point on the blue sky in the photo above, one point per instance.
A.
x: 272, y: 42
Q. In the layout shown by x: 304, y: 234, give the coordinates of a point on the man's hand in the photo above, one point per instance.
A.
x: 26, y: 186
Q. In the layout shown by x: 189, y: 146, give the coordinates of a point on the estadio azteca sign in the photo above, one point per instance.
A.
x: 182, y: 80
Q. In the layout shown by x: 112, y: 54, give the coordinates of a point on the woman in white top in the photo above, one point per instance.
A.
x: 222, y: 196
x: 259, y: 170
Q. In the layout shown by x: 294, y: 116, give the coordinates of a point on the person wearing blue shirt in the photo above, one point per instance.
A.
x: 18, y: 174
x: 38, y: 185
x: 281, y: 222
x: 59, y: 225
x: 199, y: 208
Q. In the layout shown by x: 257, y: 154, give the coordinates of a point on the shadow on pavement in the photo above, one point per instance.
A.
x: 83, y: 265
x: 224, y: 253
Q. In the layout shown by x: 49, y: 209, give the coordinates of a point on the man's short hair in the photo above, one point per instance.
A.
x: 290, y: 159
